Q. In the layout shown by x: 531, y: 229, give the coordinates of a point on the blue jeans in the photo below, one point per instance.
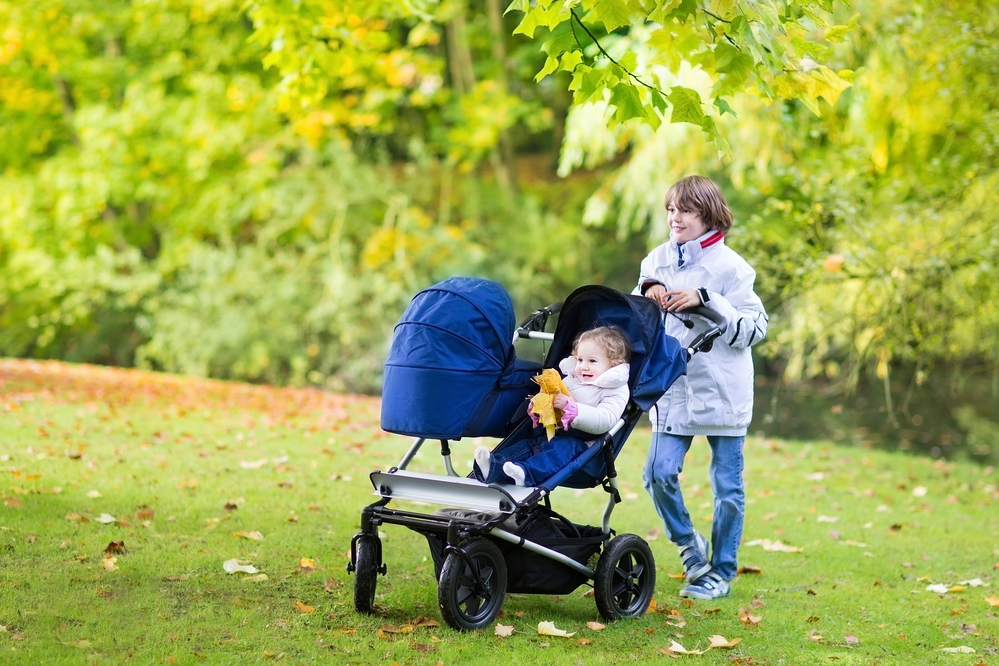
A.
x: 661, y: 477
x: 538, y: 457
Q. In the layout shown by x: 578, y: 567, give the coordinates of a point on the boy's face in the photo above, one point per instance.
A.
x: 591, y: 361
x: 685, y: 224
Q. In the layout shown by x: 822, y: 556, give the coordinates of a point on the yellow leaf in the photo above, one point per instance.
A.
x: 304, y: 608
x: 255, y: 535
x: 718, y: 641
x: 992, y: 601
x: 549, y: 629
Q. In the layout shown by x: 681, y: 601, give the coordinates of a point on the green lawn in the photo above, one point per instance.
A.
x: 125, y: 492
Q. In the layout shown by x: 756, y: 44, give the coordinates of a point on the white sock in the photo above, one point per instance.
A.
x: 484, y: 460
x: 515, y: 472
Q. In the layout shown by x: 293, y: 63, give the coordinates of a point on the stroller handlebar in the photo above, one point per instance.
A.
x: 538, y: 319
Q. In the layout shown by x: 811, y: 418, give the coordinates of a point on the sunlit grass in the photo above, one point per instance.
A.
x: 181, y: 466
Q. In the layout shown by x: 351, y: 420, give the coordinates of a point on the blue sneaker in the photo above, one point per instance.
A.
x: 708, y: 586
x: 694, y: 556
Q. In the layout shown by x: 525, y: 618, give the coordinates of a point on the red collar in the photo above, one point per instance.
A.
x: 712, y: 239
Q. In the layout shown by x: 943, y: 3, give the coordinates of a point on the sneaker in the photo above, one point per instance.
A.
x: 694, y: 556
x: 515, y: 472
x: 484, y: 460
x: 708, y: 586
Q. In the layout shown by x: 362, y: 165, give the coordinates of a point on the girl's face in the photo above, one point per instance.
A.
x: 591, y: 361
x: 685, y: 224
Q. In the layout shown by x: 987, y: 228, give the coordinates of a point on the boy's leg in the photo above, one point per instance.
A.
x: 662, y: 482
x: 730, y: 503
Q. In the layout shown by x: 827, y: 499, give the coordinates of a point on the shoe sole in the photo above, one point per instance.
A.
x: 701, y: 597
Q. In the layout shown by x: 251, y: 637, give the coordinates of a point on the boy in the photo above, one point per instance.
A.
x: 715, y: 399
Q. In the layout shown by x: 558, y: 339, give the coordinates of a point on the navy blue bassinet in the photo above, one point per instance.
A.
x: 452, y: 371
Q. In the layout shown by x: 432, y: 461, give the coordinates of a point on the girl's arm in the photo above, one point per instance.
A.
x: 598, y: 419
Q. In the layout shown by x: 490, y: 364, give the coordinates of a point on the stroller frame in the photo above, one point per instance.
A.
x: 472, y: 581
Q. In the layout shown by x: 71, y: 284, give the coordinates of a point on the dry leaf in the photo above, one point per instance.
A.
x: 750, y: 620
x: 254, y: 535
x: 992, y: 601
x: 652, y: 605
x: 115, y: 547
x: 750, y: 570
x: 919, y: 491
x: 595, y: 626
x: 676, y: 619
x: 253, y: 465
x: 109, y: 563
x: 675, y: 649
x: 549, y: 629
x: 939, y: 588
x: 233, y: 566
x: 304, y: 608
x: 718, y: 641
x: 255, y: 579
x: 851, y: 639
x: 584, y: 641
x: 424, y: 621
x: 106, y: 518
x: 961, y: 649
x: 774, y: 546
x: 503, y: 630
x: 420, y: 647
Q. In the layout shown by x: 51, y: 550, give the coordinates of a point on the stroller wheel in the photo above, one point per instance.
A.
x: 366, y: 574
x: 472, y: 585
x: 625, y: 578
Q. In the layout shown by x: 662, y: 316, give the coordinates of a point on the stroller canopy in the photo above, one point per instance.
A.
x: 657, y: 359
x: 452, y: 371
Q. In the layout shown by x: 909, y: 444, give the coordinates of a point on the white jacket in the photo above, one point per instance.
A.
x: 716, y: 395
x: 601, y: 402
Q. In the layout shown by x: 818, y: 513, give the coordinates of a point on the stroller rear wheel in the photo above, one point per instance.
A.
x: 625, y: 578
x: 472, y: 585
x: 366, y: 573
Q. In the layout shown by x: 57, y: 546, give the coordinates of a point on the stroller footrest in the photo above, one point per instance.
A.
x: 451, y: 491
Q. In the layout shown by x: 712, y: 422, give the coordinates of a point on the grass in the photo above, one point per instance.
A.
x: 184, y: 471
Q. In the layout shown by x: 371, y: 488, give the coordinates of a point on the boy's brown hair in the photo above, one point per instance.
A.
x: 701, y: 194
x: 612, y: 338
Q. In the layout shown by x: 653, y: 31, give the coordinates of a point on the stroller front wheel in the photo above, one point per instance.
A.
x: 472, y: 585
x: 366, y: 574
x: 625, y: 578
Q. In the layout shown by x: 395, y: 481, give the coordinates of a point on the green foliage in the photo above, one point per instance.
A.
x: 773, y: 49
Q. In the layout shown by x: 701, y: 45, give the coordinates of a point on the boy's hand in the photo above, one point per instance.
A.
x: 674, y: 300
x: 681, y: 299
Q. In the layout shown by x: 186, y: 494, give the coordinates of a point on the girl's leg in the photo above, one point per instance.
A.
x: 552, y: 458
x: 661, y: 477
x: 730, y: 503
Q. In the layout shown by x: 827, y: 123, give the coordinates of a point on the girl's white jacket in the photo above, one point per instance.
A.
x: 716, y: 395
x: 599, y: 403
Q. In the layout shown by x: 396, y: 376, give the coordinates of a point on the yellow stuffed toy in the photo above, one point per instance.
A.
x: 550, y: 383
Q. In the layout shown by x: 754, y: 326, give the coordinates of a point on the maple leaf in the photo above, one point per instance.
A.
x: 549, y: 629
x: 503, y: 630
x: 675, y: 649
x: 750, y: 620
x: 718, y: 641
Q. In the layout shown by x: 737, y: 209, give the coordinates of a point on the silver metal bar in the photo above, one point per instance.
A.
x: 411, y: 453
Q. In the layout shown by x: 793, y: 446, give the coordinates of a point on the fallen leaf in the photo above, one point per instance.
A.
x: 774, y: 546
x: 919, y: 491
x: 595, y: 626
x: 503, y: 630
x: 812, y: 618
x: 675, y: 648
x: 420, y: 647
x: 676, y: 619
x: 245, y: 464
x: 815, y: 636
x: 851, y: 639
x: 424, y: 621
x: 750, y: 570
x: 106, y: 518
x: 652, y: 605
x: 828, y: 519
x: 939, y: 588
x: 992, y: 601
x: 174, y: 577
x: 255, y: 579
x: 961, y: 649
x: 94, y: 494
x: 549, y: 629
x: 115, y: 547
x: 233, y: 566
x: 254, y: 535
x: 750, y: 620
x: 722, y: 642
x: 974, y: 582
x: 584, y: 641
x: 109, y: 563
x: 304, y: 608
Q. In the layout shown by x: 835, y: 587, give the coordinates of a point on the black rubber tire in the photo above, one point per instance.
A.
x: 471, y: 592
x: 366, y: 575
x: 625, y: 578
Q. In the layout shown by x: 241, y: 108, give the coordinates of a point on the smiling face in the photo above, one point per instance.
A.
x: 685, y: 223
x: 591, y: 361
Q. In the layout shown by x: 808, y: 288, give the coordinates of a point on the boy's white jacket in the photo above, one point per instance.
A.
x: 601, y: 402
x: 716, y: 395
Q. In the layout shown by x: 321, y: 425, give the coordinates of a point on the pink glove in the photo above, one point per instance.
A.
x: 535, y: 419
x: 569, y: 413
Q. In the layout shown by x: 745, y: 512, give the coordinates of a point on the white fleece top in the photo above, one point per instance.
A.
x: 601, y: 402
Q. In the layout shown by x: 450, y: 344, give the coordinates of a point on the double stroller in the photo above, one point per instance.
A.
x: 452, y: 373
